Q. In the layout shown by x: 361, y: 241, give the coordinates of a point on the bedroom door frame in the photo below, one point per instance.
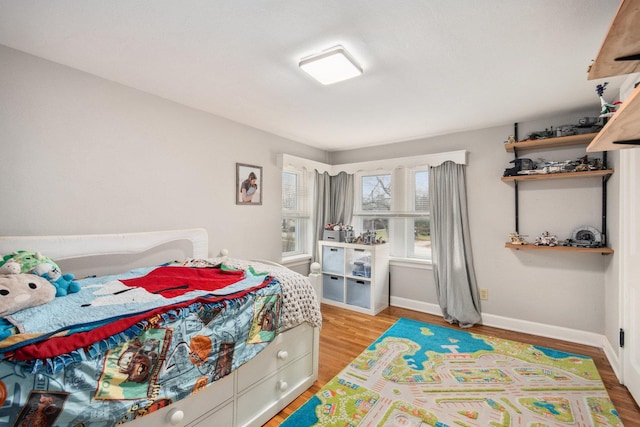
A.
x: 630, y: 268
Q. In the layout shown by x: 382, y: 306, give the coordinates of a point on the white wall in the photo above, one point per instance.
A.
x: 82, y: 154
x: 612, y: 281
x: 615, y: 316
x: 561, y: 289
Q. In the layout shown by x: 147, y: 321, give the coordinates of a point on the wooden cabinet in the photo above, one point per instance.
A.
x: 355, y: 276
x: 620, y: 54
x: 548, y: 143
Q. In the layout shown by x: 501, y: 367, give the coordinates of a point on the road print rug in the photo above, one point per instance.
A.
x: 418, y: 374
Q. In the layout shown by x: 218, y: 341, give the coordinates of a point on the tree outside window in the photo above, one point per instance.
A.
x: 396, y: 206
x: 422, y: 225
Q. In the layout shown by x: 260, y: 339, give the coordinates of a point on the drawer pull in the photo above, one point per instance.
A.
x: 282, y: 385
x: 283, y: 354
x: 175, y: 416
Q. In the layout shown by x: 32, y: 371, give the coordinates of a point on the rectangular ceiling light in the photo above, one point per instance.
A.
x: 331, y: 66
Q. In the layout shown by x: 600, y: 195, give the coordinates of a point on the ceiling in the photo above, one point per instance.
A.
x: 431, y: 67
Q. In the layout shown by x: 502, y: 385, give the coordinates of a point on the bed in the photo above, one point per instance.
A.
x: 160, y: 333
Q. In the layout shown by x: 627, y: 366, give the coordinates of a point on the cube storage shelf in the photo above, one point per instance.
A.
x: 355, y: 277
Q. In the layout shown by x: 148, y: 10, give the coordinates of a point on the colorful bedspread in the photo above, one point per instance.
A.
x: 129, y: 344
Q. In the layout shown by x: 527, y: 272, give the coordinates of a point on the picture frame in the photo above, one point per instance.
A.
x: 248, y: 184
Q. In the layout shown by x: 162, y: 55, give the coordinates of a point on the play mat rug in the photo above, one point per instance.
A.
x: 417, y: 374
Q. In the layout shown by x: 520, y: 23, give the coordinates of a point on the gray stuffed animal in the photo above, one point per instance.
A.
x: 20, y: 291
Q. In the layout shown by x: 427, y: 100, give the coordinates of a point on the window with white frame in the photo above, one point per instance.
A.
x: 391, y: 198
x: 374, y: 200
x: 395, y: 205
x: 296, y: 218
x: 421, y: 211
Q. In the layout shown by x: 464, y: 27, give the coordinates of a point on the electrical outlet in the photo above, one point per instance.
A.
x: 484, y: 294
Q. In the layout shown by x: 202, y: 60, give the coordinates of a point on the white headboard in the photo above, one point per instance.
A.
x: 69, y: 247
x: 85, y: 245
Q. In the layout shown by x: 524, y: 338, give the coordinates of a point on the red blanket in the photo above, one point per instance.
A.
x: 175, y: 281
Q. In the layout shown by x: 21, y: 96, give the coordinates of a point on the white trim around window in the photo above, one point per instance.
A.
x: 298, y: 163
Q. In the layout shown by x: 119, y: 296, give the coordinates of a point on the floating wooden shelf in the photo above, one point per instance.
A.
x: 619, y: 55
x: 624, y: 125
x: 558, y: 175
x: 603, y: 251
x: 623, y: 39
x: 545, y: 144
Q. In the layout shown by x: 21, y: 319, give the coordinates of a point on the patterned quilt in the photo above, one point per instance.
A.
x: 127, y: 345
x: 300, y: 303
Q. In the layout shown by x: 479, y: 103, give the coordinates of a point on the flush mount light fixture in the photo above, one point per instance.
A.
x: 331, y: 66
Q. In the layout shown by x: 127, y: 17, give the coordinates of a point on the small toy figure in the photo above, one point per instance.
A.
x: 606, y: 109
x: 583, y: 166
x: 547, y: 239
x: 517, y: 239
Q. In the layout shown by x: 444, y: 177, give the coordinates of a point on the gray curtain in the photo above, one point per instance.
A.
x: 333, y: 202
x: 321, y: 208
x: 341, y: 199
x: 453, y: 270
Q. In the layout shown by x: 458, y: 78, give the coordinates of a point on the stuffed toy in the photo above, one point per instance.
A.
x: 36, y: 263
x: 19, y: 291
x: 27, y: 260
x: 63, y: 282
x: 10, y: 267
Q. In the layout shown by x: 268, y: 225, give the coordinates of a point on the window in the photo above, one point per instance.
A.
x: 422, y: 219
x: 375, y: 197
x: 395, y: 205
x: 376, y: 192
x: 295, y: 213
x: 391, y: 198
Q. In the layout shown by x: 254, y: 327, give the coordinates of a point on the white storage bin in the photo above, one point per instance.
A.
x: 332, y: 260
x: 332, y: 287
x: 333, y: 236
x: 359, y: 293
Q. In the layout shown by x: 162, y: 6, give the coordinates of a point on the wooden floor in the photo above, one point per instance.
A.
x: 345, y: 334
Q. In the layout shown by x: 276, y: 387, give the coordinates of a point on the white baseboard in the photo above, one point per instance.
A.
x: 613, y: 358
x: 411, y: 304
x: 524, y: 326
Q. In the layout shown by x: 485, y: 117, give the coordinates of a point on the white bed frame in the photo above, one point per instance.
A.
x: 250, y: 396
